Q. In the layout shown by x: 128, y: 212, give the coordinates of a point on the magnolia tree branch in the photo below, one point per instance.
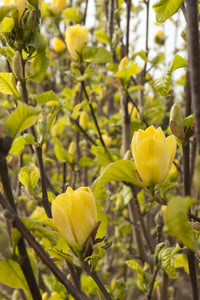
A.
x: 194, y: 60
x: 24, y: 259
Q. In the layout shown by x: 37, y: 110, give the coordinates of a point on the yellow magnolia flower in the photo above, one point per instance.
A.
x: 75, y: 215
x: 57, y: 6
x: 76, y: 37
x: 153, y: 154
x: 58, y: 45
x: 20, y: 4
x: 107, y: 140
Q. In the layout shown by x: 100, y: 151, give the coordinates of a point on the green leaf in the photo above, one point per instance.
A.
x: 121, y: 170
x: 4, y: 10
x: 19, y: 143
x: 73, y: 14
x: 176, y: 220
x: 168, y: 261
x: 101, y: 216
x: 47, y: 97
x: 86, y: 161
x: 162, y: 85
x: 87, y: 73
x: 7, y: 85
x: 28, y: 177
x: 141, y: 279
x: 164, y: 9
x: 88, y: 285
x: 40, y: 65
x: 61, y: 154
x: 188, y: 122
x: 23, y: 117
x: 126, y: 73
x: 101, y: 36
x: 12, y: 275
x: 96, y: 55
x: 7, y: 25
x: 38, y: 42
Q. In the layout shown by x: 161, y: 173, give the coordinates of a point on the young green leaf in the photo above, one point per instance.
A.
x: 96, y: 55
x: 168, y: 261
x: 7, y: 85
x: 176, y: 220
x: 164, y: 9
x: 19, y: 143
x: 28, y: 177
x: 121, y: 170
x: 162, y: 85
x: 12, y: 275
x: 142, y: 277
x: 40, y: 65
x: 22, y: 118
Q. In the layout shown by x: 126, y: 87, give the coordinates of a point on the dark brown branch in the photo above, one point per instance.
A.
x: 24, y: 259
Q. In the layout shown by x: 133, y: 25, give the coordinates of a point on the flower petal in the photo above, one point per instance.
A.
x: 171, y: 144
x: 150, y: 131
x: 152, y: 160
x: 83, y: 215
x: 62, y: 223
x: 159, y: 134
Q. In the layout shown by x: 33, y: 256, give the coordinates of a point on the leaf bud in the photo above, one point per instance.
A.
x: 17, y: 66
x: 43, y: 130
x: 28, y: 23
x: 176, y: 124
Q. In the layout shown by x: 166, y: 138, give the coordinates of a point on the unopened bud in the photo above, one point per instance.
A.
x: 17, y: 66
x: 123, y: 63
x: 159, y: 219
x: 72, y: 148
x: 83, y: 120
x: 43, y: 129
x: 28, y: 23
x: 196, y: 176
x: 176, y: 122
x: 120, y: 201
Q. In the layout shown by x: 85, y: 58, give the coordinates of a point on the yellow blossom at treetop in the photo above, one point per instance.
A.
x: 20, y: 4
x: 57, y: 6
x: 76, y: 37
x: 153, y: 154
x: 58, y: 45
x: 75, y: 215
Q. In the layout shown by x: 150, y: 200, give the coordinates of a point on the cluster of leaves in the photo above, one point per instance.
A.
x: 75, y: 114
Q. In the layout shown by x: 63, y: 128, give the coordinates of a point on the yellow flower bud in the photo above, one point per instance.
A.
x: 20, y: 4
x: 76, y: 37
x: 83, y: 120
x: 153, y: 154
x: 72, y: 148
x: 57, y: 6
x: 123, y: 63
x: 58, y: 45
x: 17, y: 66
x: 107, y: 140
x: 159, y: 37
x: 75, y: 215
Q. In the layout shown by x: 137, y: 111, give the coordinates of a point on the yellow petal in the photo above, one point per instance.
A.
x: 62, y: 223
x: 83, y: 215
x: 133, y: 144
x: 152, y: 160
x: 141, y: 135
x: 159, y: 134
x: 171, y: 144
x: 150, y: 131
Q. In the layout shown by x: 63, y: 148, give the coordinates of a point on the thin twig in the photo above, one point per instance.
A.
x: 93, y: 115
x: 152, y: 284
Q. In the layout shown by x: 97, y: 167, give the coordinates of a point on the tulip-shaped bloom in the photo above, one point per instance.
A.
x: 20, y: 4
x: 75, y: 215
x: 57, y: 6
x: 76, y: 37
x: 153, y: 154
x: 58, y: 45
